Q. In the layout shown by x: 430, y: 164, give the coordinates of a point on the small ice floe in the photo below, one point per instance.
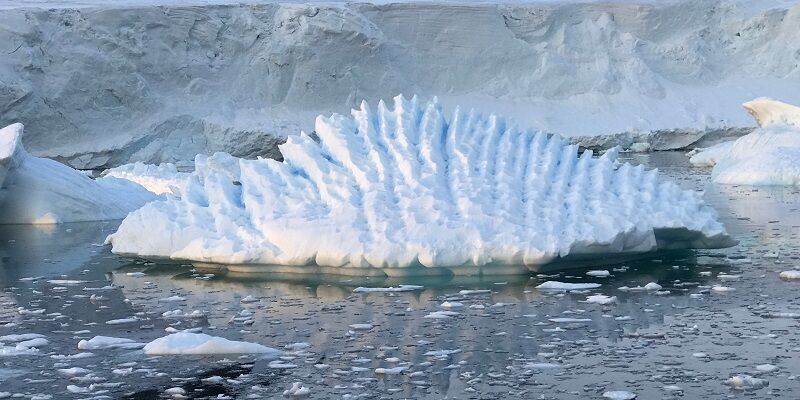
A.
x: 601, y: 299
x: 172, y: 299
x: 65, y: 282
x: 361, y: 327
x: 181, y: 314
x: 722, y: 289
x: 766, y: 368
x: 108, y: 342
x: 650, y: 287
x: 672, y: 388
x: 390, y: 289
x: 790, y: 275
x: 74, y: 371
x: 200, y: 343
x: 442, y: 314
x: 569, y: 320
x: 25, y: 344
x: 442, y: 353
x: 175, y: 392
x: 249, y: 299
x: 278, y: 364
x: 746, y: 382
x: 297, y: 390
x: 599, y: 273
x: 451, y: 304
x: 136, y: 274
x: 619, y: 395
x: 564, y: 286
x: 541, y: 366
x: 297, y: 346
x: 121, y: 321
x: 390, y: 371
x: 474, y: 291
x: 728, y: 277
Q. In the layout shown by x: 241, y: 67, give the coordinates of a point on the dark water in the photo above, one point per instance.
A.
x: 510, y: 340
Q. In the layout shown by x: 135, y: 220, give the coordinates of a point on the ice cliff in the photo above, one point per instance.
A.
x: 770, y: 156
x: 101, y: 83
x: 41, y: 191
x: 405, y: 189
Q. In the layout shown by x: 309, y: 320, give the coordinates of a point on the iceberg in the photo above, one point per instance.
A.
x: 769, y: 156
x: 408, y: 191
x: 42, y: 191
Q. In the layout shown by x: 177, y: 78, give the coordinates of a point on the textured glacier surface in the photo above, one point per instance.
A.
x: 407, y: 189
x: 41, y: 191
x: 101, y: 83
x: 769, y: 156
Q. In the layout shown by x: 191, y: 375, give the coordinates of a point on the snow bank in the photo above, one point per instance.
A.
x: 40, y: 191
x: 200, y: 343
x: 407, y: 187
x: 768, y: 156
x: 99, y: 87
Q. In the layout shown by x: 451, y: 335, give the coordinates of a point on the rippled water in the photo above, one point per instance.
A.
x: 505, y: 338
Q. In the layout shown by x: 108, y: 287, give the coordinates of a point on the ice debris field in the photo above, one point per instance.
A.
x: 407, y: 189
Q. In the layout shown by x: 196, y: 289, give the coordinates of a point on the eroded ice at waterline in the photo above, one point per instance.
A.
x: 407, y: 188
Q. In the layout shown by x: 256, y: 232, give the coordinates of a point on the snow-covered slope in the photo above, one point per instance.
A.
x: 404, y: 189
x: 768, y: 156
x: 40, y: 191
x: 100, y: 83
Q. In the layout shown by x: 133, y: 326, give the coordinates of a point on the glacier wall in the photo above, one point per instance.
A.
x: 98, y: 84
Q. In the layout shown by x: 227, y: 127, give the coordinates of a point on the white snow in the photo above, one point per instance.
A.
x: 768, y: 156
x: 41, y: 191
x: 408, y: 188
x: 200, y: 343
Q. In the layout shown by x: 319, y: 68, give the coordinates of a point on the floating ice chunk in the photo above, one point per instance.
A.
x: 766, y: 368
x: 601, y: 299
x: 158, y: 179
x: 599, y: 273
x: 20, y: 337
x: 41, y: 191
x: 390, y: 371
x: 555, y: 285
x: 108, y: 342
x: 361, y: 327
x: 722, y: 289
x: 200, y: 343
x: 406, y: 188
x: 442, y: 353
x: 770, y: 155
x: 401, y: 288
x: 790, y: 275
x: 746, y: 382
x: 297, y: 390
x: 651, y: 287
x: 619, y: 395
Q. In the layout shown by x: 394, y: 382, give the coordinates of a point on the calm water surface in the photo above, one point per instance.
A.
x: 503, y: 338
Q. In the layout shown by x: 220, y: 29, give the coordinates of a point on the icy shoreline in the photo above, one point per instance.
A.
x: 240, y: 78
